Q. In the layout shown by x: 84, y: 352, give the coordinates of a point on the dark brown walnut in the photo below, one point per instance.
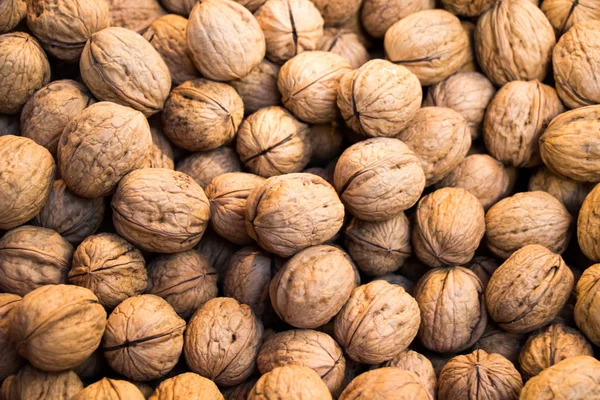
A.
x: 326, y: 141
x: 49, y: 110
x: 470, y: 64
x: 386, y: 383
x: 514, y: 41
x: 345, y: 43
x: 110, y: 267
x: 292, y: 382
x: 187, y: 386
x: 452, y: 304
x: 432, y: 44
x: 290, y: 27
x: 399, y: 280
x: 379, y: 98
x: 239, y: 392
x: 336, y: 12
x: 480, y: 375
x: 307, y: 348
x: 258, y: 89
x: 570, y: 193
x: 57, y: 327
x: 222, y: 341
x: 308, y: 84
x: 203, y: 167
x: 224, y: 60
x: 31, y: 257
x: 10, y: 361
x: 11, y: 13
x: 33, y: 384
x: 412, y: 361
x: 136, y: 15
x: 93, y: 367
x: 161, y: 152
x: 496, y: 340
x: 379, y: 248
x: 110, y: 389
x: 448, y: 227
x: 291, y: 212
x: 586, y: 308
x: 310, y: 289
x: 529, y: 289
x: 467, y: 8
x: 160, y: 210
x: 181, y: 7
x: 378, y: 16
x: 563, y: 14
x: 218, y: 250
x: 527, y: 218
x: 100, y: 146
x: 167, y: 35
x: 143, y: 338
x: 202, y: 115
x: 484, y: 268
x: 119, y: 65
x: 272, y: 142
x: 363, y: 174
x: 468, y: 93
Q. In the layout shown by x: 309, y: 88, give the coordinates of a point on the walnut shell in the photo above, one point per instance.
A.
x: 110, y: 389
x: 181, y: 7
x: 467, y: 8
x: 412, y: 361
x: 346, y: 43
x: 529, y: 289
x: 432, y: 44
x: 484, y: 268
x: 292, y: 382
x: 563, y: 14
x: 10, y: 361
x: 135, y: 15
x: 160, y: 210
x: 337, y: 12
x: 252, y: 5
x: 11, y: 13
x: 57, y: 327
x: 203, y: 167
x: 377, y: 16
x: 586, y: 315
x: 161, y: 152
x: 326, y: 141
x: 496, y: 340
x: 258, y: 89
x: 218, y: 250
x: 570, y: 193
x: 33, y: 384
x: 386, y: 383
x: 187, y: 386
x: 470, y: 64
x: 241, y: 391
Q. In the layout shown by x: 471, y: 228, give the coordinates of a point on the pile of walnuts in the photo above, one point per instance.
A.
x: 299, y: 199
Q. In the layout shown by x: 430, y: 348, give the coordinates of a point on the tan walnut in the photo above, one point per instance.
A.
x: 346, y: 43
x: 135, y: 15
x: 570, y: 193
x: 377, y: 16
x: 586, y: 314
x: 337, y: 12
x: 563, y: 14
x: 187, y: 386
x: 280, y: 382
x: 484, y: 268
x: 412, y: 361
x: 110, y: 389
x: 206, y: 165
x: 386, y: 383
x: 11, y: 13
x: 10, y: 361
x: 467, y: 8
x: 32, y: 383
x: 161, y: 153
x: 326, y: 144
x: 258, y: 89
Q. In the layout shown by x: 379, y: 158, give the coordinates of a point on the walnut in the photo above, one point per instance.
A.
x: 378, y: 16
x: 224, y: 60
x: 252, y: 5
x: 386, y: 383
x: 119, y: 65
x: 10, y: 361
x: 160, y: 210
x: 364, y: 173
x: 496, y: 340
x: 470, y: 64
x: 563, y: 14
x: 110, y: 389
x: 222, y: 340
x: 218, y: 250
x: 136, y: 15
x: 484, y: 268
x: 31, y: 257
x: 412, y: 361
x: 258, y: 89
x: 161, y: 152
x: 345, y: 43
x: 241, y: 391
x: 187, y: 386
x: 467, y: 8
x: 32, y: 383
x: 527, y: 218
x: 308, y: 84
x: 326, y: 142
x: 11, y: 13
x: 57, y: 326
x: 529, y: 289
x: 586, y: 315
x: 291, y: 382
x: 570, y: 193
x: 110, y: 267
x: 203, y: 167
x: 432, y: 44
x: 291, y: 212
x: 181, y: 7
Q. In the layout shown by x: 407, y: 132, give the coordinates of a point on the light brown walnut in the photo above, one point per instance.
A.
x: 10, y: 361
x: 377, y: 16
x: 386, y: 383
x: 292, y: 382
x: 161, y: 152
x: 258, y: 89
x: 136, y: 15
x: 336, y: 12
x: 570, y: 193
x: 586, y: 313
x: 110, y: 389
x: 412, y: 361
x: 11, y: 13
x: 204, y: 166
x: 187, y: 386
x: 34, y: 384
x: 345, y: 43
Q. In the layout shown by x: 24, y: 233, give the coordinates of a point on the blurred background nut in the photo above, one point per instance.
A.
x: 10, y: 361
x: 326, y: 143
x: 11, y: 13
x: 241, y: 391
x: 258, y: 89
x: 136, y: 15
x: 336, y: 12
x: 399, y: 280
x: 187, y: 386
x: 563, y: 14
x: 206, y: 165
x: 496, y: 340
x: 586, y: 314
x: 32, y: 383
x: 280, y: 382
x: 386, y: 383
x: 181, y: 7
x: 345, y: 43
x: 161, y: 151
x: 378, y: 15
x: 467, y: 8
x: 109, y: 389
x: 470, y: 64
x: 218, y: 250
x: 483, y: 267
x: 93, y: 367
x: 252, y: 5
x: 570, y: 193
x: 412, y: 361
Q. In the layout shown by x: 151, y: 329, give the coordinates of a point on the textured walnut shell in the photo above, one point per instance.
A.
x: 496, y: 340
x: 11, y: 13
x: 187, y: 386
x: 161, y: 152
x: 119, y: 65
x: 31, y: 257
x: 308, y: 84
x: 527, y: 218
x: 203, y: 167
x: 378, y: 16
x: 326, y: 141
x: 135, y: 15
x: 292, y: 382
x: 563, y: 14
x: 57, y: 327
x: 480, y: 375
x: 452, y: 304
x: 258, y: 89
x: 160, y: 210
x: 312, y: 286
x: 222, y: 340
x: 586, y: 314
x: 218, y: 250
x: 364, y: 173
x: 239, y: 392
x: 10, y: 361
x: 346, y: 43
x: 570, y: 193
x: 470, y: 64
x: 467, y: 8
x: 291, y: 212
x: 412, y: 361
x: 529, y: 289
x: 143, y: 338
x: 181, y: 7
x: 224, y: 60
x: 337, y: 12
x: 202, y: 115
x: 252, y: 5
x: 110, y: 389
x: 33, y: 384
x: 110, y: 267
x: 386, y: 383
x: 514, y: 41
x: 432, y: 44
x: 484, y: 268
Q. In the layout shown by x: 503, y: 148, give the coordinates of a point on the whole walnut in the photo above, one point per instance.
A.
x: 143, y: 338
x: 468, y: 93
x: 222, y: 341
x: 252, y: 5
x: 218, y: 250
x: 11, y: 13
x: 484, y: 268
x: 31, y: 257
x: 49, y: 110
x: 204, y: 166
x: 291, y: 212
x: 377, y: 16
x: 563, y: 14
x: 109, y: 389
x: 586, y: 315
x: 110, y: 267
x: 272, y: 142
x: 258, y: 89
x: 570, y: 193
x: 467, y: 8
x: 448, y: 227
x: 181, y: 7
x: 432, y: 44
x: 480, y: 375
x: 337, y: 12
x: 187, y: 386
x: 379, y: 98
x: 386, y: 383
x: 378, y: 178
x: 527, y: 218
x: 161, y: 152
x: 31, y: 384
x: 160, y: 210
x: 10, y: 361
x: 57, y: 327
x: 496, y: 340
x: 310, y: 289
x: 291, y: 382
x: 241, y: 391
x: 119, y: 65
x: 529, y: 289
x: 202, y: 115
x: 167, y: 35
x: 326, y: 141
x: 346, y: 43
x: 514, y: 41
x: 224, y: 60
x: 470, y: 64
x: 452, y: 304
x: 308, y: 84
x: 136, y: 15
x: 412, y: 361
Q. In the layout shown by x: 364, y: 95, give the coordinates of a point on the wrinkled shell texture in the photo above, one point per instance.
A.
x: 586, y: 314
x: 470, y: 64
x: 496, y: 340
x: 336, y: 12
x: 291, y: 212
x: 181, y: 7
x: 258, y: 89
x: 570, y: 193
x: 529, y: 289
x: 11, y: 13
x: 143, y: 338
x: 218, y: 250
x: 110, y: 389
x: 187, y: 386
x: 10, y: 361
x: 483, y: 267
x: 222, y: 341
x: 161, y: 152
x: 136, y: 15
x: 432, y: 44
x: 563, y: 14
x: 31, y: 383
x: 378, y: 16
x: 346, y: 43
x: 364, y: 174
x: 412, y: 361
x: 386, y: 383
x: 292, y: 382
x: 204, y: 166
x: 160, y: 210
x: 467, y: 8
x: 527, y: 218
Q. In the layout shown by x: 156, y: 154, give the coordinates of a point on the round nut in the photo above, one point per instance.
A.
x: 586, y: 315
x: 187, y: 386
x: 110, y: 389
x: 377, y: 16
x: 10, y: 361
x: 412, y: 361
x: 467, y: 8
x: 326, y: 141
x: 484, y: 268
x: 470, y: 64
x: 346, y: 43
x: 563, y: 14
x: 11, y: 13
x: 181, y: 7
x: 135, y: 15
x: 218, y: 250
x: 203, y: 167
x: 32, y: 383
x: 280, y: 382
x: 570, y: 193
x: 253, y: 6
x: 496, y: 340
x: 386, y: 383
x: 336, y: 12
x: 161, y: 152
x: 258, y: 89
